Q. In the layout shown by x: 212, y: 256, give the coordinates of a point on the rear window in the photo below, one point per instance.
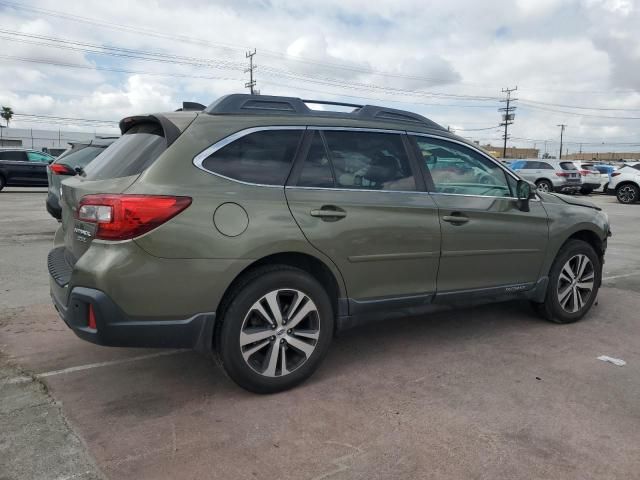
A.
x: 81, y: 157
x: 567, y: 166
x: 131, y: 154
x: 262, y: 157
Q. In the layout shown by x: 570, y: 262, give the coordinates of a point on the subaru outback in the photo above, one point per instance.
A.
x: 258, y: 228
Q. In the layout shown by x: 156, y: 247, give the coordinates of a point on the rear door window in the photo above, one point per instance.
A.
x: 131, y: 154
x: 369, y: 161
x: 263, y: 158
x: 15, y: 155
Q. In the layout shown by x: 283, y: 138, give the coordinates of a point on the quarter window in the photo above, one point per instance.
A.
x: 459, y: 170
x: 261, y: 157
x: 369, y: 161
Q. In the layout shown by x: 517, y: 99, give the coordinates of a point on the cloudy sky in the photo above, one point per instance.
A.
x: 575, y: 62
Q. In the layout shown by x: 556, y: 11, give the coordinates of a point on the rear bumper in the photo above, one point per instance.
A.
x: 116, y: 329
x: 591, y: 185
x: 574, y: 187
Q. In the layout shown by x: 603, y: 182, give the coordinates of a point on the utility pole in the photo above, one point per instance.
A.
x: 251, y: 83
x: 562, y: 127
x: 507, y: 116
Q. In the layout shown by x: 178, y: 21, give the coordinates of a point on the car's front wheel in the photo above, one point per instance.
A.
x: 574, y: 281
x: 627, y: 193
x: 275, y: 330
x: 544, y: 185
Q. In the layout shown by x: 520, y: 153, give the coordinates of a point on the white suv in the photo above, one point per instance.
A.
x: 591, y: 178
x: 550, y: 175
x: 625, y: 183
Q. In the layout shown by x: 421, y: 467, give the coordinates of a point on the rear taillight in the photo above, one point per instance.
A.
x: 122, y: 217
x: 61, y: 169
x: 562, y: 174
x: 615, y: 174
x: 584, y: 173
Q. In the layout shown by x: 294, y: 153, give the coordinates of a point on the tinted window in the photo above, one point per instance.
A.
x: 459, y: 170
x: 567, y: 166
x: 80, y: 157
x: 545, y: 166
x: 131, y: 154
x: 637, y: 166
x: 38, y: 157
x: 316, y: 171
x: 517, y: 165
x: 261, y: 157
x: 13, y: 155
x: 371, y: 161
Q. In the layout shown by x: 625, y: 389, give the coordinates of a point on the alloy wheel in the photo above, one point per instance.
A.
x: 280, y: 332
x: 627, y: 194
x: 543, y: 187
x: 575, y: 283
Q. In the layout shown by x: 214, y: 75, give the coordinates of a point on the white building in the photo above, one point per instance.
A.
x: 52, y: 141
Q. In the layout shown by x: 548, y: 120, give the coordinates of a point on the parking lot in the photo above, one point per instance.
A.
x: 490, y: 392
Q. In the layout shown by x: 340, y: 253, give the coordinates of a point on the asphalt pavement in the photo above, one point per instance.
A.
x: 490, y: 392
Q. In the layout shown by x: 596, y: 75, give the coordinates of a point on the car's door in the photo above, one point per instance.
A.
x: 527, y: 170
x: 488, y: 243
x: 38, y: 163
x: 359, y: 198
x: 16, y: 166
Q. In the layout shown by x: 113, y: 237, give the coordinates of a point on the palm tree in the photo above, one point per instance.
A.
x: 7, y: 114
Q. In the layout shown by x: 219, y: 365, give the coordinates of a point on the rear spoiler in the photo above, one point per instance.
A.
x: 171, y: 132
x: 191, y: 106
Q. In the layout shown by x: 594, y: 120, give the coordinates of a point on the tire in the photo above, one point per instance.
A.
x: 257, y: 365
x: 544, y: 186
x: 586, y: 191
x: 561, y: 307
x: 2, y: 182
x: 628, y: 193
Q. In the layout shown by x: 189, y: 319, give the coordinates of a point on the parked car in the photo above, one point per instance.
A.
x: 259, y: 227
x: 591, y: 179
x: 550, y: 175
x: 21, y: 167
x: 605, y: 175
x: 70, y: 163
x: 625, y: 183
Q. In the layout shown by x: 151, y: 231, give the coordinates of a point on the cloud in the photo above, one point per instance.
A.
x: 566, y: 52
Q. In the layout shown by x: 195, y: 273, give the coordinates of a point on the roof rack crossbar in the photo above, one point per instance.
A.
x: 326, y: 102
x: 274, y: 105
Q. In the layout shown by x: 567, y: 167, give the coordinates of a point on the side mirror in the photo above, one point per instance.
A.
x: 524, y: 192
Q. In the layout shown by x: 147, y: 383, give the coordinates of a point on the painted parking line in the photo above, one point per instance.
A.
x: 109, y: 363
x: 624, y: 275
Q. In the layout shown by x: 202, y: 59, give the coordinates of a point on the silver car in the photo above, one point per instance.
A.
x: 71, y: 162
x: 550, y: 175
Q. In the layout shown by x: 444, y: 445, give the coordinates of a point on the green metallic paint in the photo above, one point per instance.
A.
x: 390, y: 244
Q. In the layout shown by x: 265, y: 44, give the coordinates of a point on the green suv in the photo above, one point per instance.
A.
x: 258, y: 228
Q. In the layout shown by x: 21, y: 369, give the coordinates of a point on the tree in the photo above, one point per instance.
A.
x: 7, y: 114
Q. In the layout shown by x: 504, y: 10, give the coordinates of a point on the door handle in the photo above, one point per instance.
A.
x: 328, y: 212
x: 455, y: 219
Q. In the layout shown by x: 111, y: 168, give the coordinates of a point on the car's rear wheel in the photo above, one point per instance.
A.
x: 275, y: 330
x: 574, y: 281
x: 544, y: 185
x: 627, y: 193
x: 586, y: 190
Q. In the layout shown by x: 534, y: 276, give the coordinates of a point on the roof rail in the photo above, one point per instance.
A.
x: 239, y: 103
